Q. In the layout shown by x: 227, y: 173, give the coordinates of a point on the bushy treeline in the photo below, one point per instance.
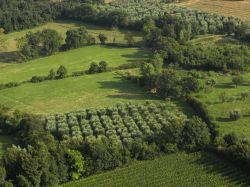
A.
x: 93, y: 140
x: 234, y: 149
x: 174, y: 21
x: 203, y: 57
x: 48, y: 42
x: 23, y: 14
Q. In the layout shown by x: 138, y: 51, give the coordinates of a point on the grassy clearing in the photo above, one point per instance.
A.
x: 8, y: 41
x: 221, y: 110
x: 73, y: 60
x: 98, y: 90
x: 5, y: 142
x: 239, y: 9
x: 197, y: 169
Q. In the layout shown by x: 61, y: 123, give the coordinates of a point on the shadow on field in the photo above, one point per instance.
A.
x: 139, y: 55
x: 232, y: 174
x: 225, y: 85
x: 8, y: 57
x: 221, y: 119
x: 126, y: 90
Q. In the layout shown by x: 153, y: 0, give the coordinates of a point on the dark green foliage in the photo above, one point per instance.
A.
x: 78, y: 38
x: 36, y: 79
x: 94, y: 68
x: 41, y: 43
x: 234, y: 149
x: 22, y: 14
x: 61, y: 72
x: 169, y: 84
x: 102, y: 38
x: 103, y: 66
x: 238, y: 80
x: 9, y: 85
x: 235, y: 114
x: 52, y: 74
x: 195, y: 134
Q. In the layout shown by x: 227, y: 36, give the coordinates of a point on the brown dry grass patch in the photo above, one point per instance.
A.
x: 239, y: 9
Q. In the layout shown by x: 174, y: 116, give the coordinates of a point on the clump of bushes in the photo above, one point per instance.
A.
x: 95, y: 68
x: 235, y: 114
x: 61, y: 73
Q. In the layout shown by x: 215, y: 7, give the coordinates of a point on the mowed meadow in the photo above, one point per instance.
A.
x: 240, y: 9
x: 181, y: 169
x: 98, y: 90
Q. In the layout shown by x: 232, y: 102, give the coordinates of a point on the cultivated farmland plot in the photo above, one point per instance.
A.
x: 121, y: 124
x: 181, y: 169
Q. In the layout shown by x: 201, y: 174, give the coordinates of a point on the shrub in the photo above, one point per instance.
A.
x: 102, y: 38
x: 237, y: 80
x: 37, y: 79
x: 103, y: 66
x: 61, y: 72
x: 244, y: 95
x: 52, y: 75
x: 235, y: 114
x: 94, y: 68
x: 195, y: 134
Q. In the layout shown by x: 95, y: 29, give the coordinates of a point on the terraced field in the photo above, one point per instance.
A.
x: 98, y: 90
x: 239, y: 9
x: 8, y: 42
x: 189, y: 170
x: 73, y: 60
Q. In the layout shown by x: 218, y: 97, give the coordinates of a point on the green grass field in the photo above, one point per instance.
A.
x: 73, y: 60
x: 98, y: 90
x: 221, y: 110
x: 8, y: 41
x: 189, y: 170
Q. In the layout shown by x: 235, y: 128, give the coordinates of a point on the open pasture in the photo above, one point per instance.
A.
x: 196, y: 169
x: 239, y: 9
x: 97, y: 90
x: 220, y: 110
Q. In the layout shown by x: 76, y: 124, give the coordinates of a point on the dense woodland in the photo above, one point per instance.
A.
x: 58, y: 148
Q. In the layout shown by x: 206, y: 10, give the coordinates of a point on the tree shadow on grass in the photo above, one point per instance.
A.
x: 126, y: 90
x: 8, y: 57
x: 225, y: 85
x: 139, y: 55
x: 221, y: 119
x: 215, y: 165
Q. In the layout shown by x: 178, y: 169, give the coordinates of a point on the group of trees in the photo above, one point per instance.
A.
x: 38, y: 160
x: 204, y: 56
x: 168, y: 82
x: 77, y: 38
x: 41, y: 43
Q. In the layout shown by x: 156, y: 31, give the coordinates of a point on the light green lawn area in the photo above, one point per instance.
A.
x: 5, y: 142
x: 181, y: 169
x: 9, y: 40
x: 97, y: 90
x: 73, y: 60
x: 221, y: 110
